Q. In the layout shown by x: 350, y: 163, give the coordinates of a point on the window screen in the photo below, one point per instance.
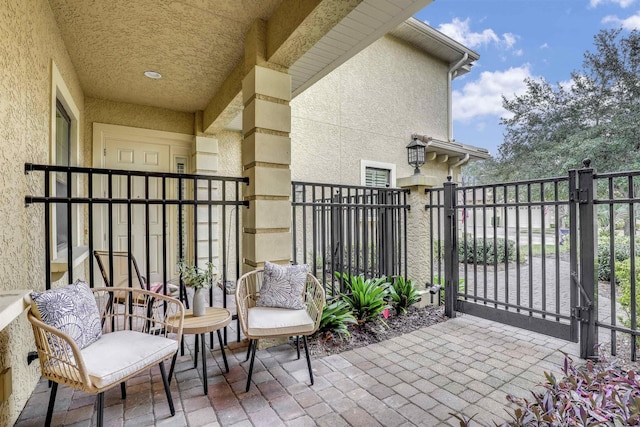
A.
x: 376, y: 177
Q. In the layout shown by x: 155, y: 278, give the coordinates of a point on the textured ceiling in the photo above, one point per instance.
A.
x: 194, y: 44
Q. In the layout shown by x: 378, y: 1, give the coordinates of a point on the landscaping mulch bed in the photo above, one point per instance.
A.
x: 326, y: 344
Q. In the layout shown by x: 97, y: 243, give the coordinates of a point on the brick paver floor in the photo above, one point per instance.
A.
x: 466, y: 365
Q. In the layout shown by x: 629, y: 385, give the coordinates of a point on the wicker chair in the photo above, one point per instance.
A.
x: 267, y: 322
x: 121, y: 273
x: 134, y: 338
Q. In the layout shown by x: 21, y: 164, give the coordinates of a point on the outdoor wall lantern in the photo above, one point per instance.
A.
x: 416, y: 154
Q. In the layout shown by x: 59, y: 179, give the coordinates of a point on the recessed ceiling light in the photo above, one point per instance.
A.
x: 153, y: 75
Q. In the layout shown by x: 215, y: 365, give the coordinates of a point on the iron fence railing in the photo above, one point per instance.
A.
x: 555, y: 255
x: 350, y: 229
x: 158, y: 218
x: 617, y: 218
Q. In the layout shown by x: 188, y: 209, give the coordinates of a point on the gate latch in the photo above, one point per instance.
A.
x: 581, y: 313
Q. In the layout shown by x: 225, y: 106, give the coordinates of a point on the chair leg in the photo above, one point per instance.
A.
x: 298, y: 345
x: 253, y: 356
x: 123, y: 390
x: 173, y: 366
x: 249, y: 350
x: 306, y: 350
x: 52, y: 400
x: 100, y: 403
x: 167, y: 390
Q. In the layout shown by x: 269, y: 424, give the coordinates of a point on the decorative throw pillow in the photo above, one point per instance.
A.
x: 72, y: 310
x: 282, y: 286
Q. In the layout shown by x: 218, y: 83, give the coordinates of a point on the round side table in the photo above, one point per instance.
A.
x: 214, y: 319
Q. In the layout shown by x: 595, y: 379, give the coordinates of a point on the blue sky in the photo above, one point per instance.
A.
x: 518, y: 39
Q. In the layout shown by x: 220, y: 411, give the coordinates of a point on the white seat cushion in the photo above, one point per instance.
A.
x: 119, y: 354
x: 270, y: 321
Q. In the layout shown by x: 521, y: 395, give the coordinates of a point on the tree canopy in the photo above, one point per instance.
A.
x: 551, y: 128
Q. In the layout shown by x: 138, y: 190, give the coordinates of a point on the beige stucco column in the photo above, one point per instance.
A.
x: 266, y: 159
x: 418, y: 232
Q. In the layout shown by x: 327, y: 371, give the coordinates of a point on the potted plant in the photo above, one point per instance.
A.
x: 199, y: 279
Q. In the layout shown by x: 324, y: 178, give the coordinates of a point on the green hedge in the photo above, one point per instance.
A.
x: 486, y: 254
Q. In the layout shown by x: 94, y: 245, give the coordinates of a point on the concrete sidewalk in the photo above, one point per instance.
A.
x: 466, y: 365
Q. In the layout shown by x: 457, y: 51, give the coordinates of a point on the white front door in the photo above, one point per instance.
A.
x: 141, y: 150
x: 143, y: 157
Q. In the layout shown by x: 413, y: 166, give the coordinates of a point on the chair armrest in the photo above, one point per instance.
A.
x: 243, y: 302
x: 60, y: 357
x: 314, y: 299
x: 139, y: 310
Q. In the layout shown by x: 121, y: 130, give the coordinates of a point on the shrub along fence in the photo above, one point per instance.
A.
x: 556, y: 255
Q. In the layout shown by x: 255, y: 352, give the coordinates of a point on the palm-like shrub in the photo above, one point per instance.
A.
x: 336, y: 317
x: 403, y: 294
x: 367, y: 298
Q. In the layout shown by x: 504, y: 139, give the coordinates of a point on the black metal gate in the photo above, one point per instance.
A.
x: 532, y: 254
x: 508, y: 252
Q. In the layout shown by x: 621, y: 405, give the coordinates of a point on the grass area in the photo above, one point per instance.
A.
x: 536, y: 249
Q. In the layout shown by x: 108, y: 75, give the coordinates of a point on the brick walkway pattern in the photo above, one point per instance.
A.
x: 465, y: 365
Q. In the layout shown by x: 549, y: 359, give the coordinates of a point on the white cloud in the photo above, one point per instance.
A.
x: 483, y: 96
x: 544, y: 46
x: 621, y: 3
x: 518, y: 52
x: 461, y: 31
x: 509, y: 40
x: 630, y: 23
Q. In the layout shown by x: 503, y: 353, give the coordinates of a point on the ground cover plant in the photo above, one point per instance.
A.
x: 598, y: 394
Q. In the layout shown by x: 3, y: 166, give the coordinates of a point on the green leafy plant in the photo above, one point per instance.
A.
x: 403, y: 294
x: 623, y: 275
x: 196, y: 277
x: 367, y: 298
x: 621, y: 249
x: 336, y: 317
x: 598, y: 394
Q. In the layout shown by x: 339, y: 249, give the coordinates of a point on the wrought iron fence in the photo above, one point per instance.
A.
x: 617, y: 219
x: 555, y: 255
x: 349, y: 229
x: 157, y: 218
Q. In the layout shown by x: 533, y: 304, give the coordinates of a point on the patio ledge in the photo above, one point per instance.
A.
x: 417, y: 181
x: 12, y: 304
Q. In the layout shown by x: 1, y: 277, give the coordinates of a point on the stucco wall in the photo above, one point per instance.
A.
x: 30, y: 40
x: 367, y: 109
x: 229, y: 157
